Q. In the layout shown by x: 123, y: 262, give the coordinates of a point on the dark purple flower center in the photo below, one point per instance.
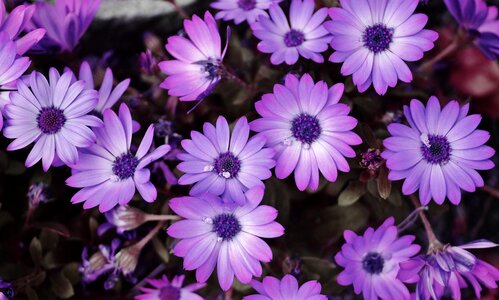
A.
x: 371, y: 159
x: 436, y: 149
x: 377, y: 38
x: 212, y: 68
x: 124, y: 166
x: 169, y: 293
x: 373, y: 263
x: 246, y: 4
x: 7, y: 292
x: 226, y: 226
x: 50, y: 120
x: 306, y: 128
x: 294, y: 38
x: 227, y: 165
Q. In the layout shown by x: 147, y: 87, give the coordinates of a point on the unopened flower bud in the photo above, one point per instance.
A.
x: 127, y: 259
x: 126, y: 218
x: 371, y: 159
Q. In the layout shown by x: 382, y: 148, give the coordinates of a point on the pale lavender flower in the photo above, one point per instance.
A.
x: 164, y: 289
x: 242, y: 10
x: 272, y: 288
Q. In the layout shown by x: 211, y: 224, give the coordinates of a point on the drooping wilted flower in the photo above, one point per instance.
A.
x: 373, y: 39
x: 101, y: 263
x: 108, y: 172
x: 272, y: 288
x: 6, y: 291
x: 215, y: 233
x: 304, y: 35
x: 372, y: 261
x: 164, y: 289
x: 242, y: 10
x: 125, y: 218
x: 309, y: 130
x: 38, y: 193
x: 439, y: 152
x: 223, y: 164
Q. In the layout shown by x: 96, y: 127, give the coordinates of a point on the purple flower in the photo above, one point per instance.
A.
x: 308, y: 128
x: 215, y: 233
x: 65, y: 22
x: 223, y: 164
x: 448, y: 268
x: 53, y: 115
x: 166, y: 289
x: 374, y: 38
x: 481, y: 22
x: 372, y: 261
x: 273, y: 289
x: 439, y: 152
x: 242, y: 10
x: 197, y: 66
x: 108, y: 172
x: 306, y: 36
x: 6, y: 291
x: 15, y: 23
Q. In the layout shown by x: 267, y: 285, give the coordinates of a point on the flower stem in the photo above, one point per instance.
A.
x: 179, y: 9
x: 150, y: 235
x: 432, y: 239
x: 491, y: 190
x: 441, y: 55
x: 231, y: 76
x: 410, y: 219
x: 149, y: 217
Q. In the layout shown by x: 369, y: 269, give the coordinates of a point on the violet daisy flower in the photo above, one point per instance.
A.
x: 65, y: 22
x: 53, y: 115
x: 223, y: 164
x: 439, y: 152
x: 304, y: 35
x: 108, y: 172
x: 309, y: 130
x: 480, y: 21
x: 448, y: 268
x: 197, y: 67
x: 374, y: 38
x: 165, y: 289
x: 242, y: 10
x: 272, y: 288
x: 215, y: 233
x: 372, y: 261
x: 6, y: 290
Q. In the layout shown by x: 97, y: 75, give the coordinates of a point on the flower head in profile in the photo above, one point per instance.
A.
x: 309, y: 130
x: 304, y: 35
x: 449, y: 268
x: 372, y: 261
x: 224, y: 235
x: 242, y: 10
x: 164, y: 289
x: 197, y: 67
x: 53, y: 115
x: 439, y: 152
x: 373, y: 39
x: 480, y: 21
x: 225, y: 164
x: 272, y: 288
x: 108, y: 172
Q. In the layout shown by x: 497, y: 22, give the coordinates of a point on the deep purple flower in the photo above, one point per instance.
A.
x: 223, y: 164
x: 215, y: 233
x: 439, y: 152
x: 164, y: 289
x: 447, y: 268
x: 108, y: 172
x: 197, y: 66
x: 54, y: 115
x: 304, y: 35
x: 272, y: 288
x: 65, y: 22
x: 374, y: 38
x: 372, y: 261
x: 6, y: 291
x: 242, y: 10
x: 309, y: 130
x: 480, y: 21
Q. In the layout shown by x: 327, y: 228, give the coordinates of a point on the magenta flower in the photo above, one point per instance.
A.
x: 108, y: 172
x: 448, y: 268
x: 165, y: 289
x: 65, y: 22
x: 304, y: 35
x: 242, y: 10
x: 197, y: 67
x: 372, y: 261
x: 481, y: 22
x: 309, y: 130
x: 223, y: 164
x: 215, y: 233
x: 273, y: 289
x: 54, y: 115
x: 439, y: 152
x: 374, y: 38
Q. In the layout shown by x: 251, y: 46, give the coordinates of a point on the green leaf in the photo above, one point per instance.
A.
x: 49, y: 239
x: 160, y: 249
x: 354, y: 191
x: 72, y: 273
x: 384, y: 185
x: 15, y: 168
x: 35, y: 249
x: 54, y: 227
x: 318, y: 268
x: 61, y: 286
x: 30, y: 293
